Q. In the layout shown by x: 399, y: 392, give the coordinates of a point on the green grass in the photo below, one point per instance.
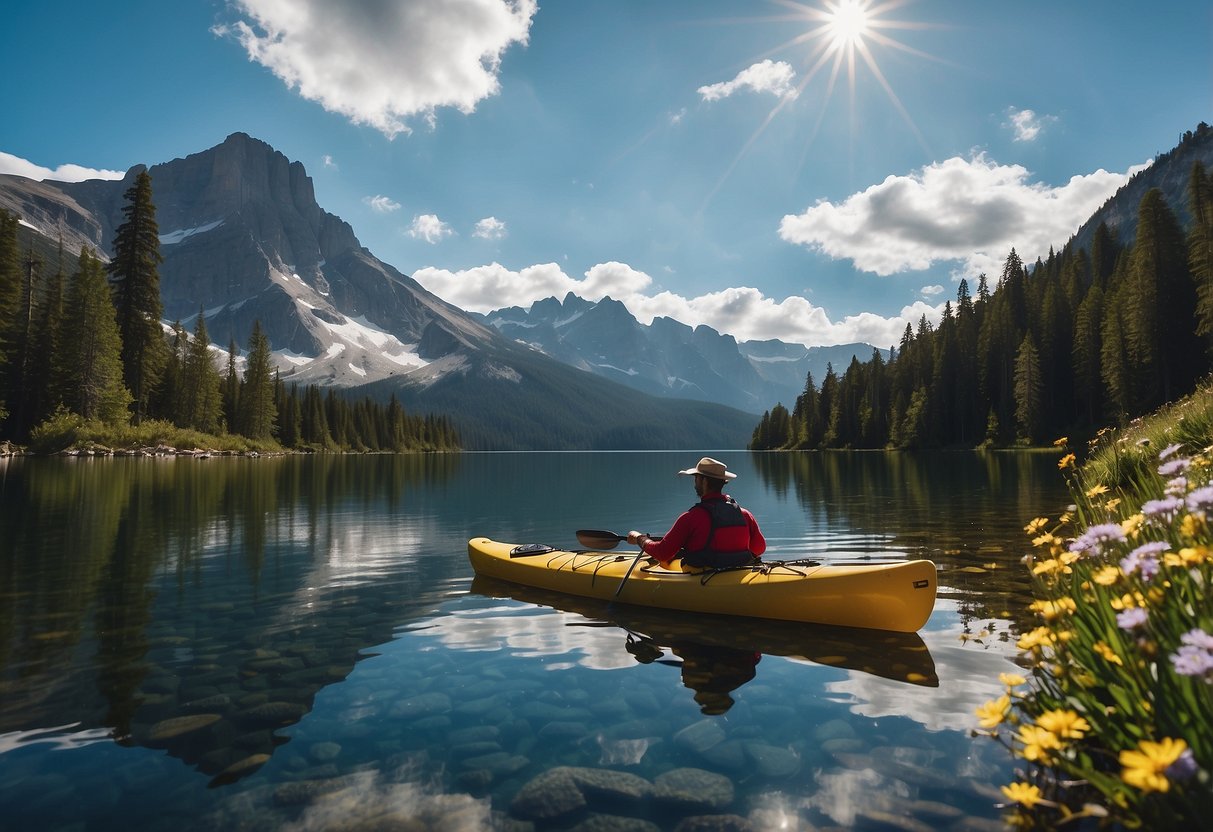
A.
x: 67, y: 431
x: 1113, y: 723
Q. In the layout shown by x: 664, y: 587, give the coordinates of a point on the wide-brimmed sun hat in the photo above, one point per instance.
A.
x: 709, y: 467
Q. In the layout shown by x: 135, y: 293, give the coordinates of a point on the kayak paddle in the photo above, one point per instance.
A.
x: 599, y: 539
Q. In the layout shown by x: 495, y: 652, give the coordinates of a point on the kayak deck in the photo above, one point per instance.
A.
x: 886, y: 596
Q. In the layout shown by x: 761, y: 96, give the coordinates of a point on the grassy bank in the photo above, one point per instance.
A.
x: 67, y: 431
x: 1113, y: 715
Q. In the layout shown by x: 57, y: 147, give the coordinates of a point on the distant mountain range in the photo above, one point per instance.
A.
x: 244, y: 240
x: 669, y: 358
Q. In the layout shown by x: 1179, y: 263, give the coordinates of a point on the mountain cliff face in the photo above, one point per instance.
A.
x: 669, y: 358
x: 1169, y: 173
x: 244, y: 240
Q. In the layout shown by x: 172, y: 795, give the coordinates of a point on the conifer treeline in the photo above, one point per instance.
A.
x: 81, y: 346
x: 1083, y: 339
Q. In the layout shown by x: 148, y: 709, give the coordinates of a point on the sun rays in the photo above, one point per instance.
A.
x: 842, y: 39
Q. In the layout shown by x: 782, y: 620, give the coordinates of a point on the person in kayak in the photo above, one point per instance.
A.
x: 714, y: 533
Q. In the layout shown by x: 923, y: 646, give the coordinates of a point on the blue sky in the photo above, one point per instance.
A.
x: 712, y: 161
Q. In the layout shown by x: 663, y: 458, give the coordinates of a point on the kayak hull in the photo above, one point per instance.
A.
x: 886, y: 596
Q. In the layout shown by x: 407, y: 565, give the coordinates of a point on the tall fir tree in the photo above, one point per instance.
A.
x: 258, y: 409
x: 135, y: 273
x: 200, y: 403
x: 89, y: 368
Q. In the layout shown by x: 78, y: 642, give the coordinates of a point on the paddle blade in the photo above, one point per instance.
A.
x: 598, y: 539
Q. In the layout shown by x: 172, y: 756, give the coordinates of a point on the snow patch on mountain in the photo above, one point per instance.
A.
x: 174, y: 237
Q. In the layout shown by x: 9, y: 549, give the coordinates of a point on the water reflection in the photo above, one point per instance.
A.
x: 198, y: 607
x: 963, y: 510
x: 714, y: 655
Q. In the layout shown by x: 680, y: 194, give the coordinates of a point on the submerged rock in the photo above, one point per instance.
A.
x: 562, y: 791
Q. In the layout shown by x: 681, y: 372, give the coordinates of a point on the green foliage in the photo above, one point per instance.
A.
x: 1063, y: 347
x: 135, y: 273
x: 89, y: 365
x: 258, y: 410
x: 1116, y: 720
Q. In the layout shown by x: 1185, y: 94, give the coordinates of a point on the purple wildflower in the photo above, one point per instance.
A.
x: 1175, y: 466
x: 1200, y: 501
x: 1163, y: 510
x: 1177, y: 487
x: 1091, y: 541
x: 1167, y: 451
x: 1189, y: 660
x: 1198, y: 638
x: 1144, y: 559
x: 1195, y: 657
x: 1183, y: 768
x: 1132, y: 618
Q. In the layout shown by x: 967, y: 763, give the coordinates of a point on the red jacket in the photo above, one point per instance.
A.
x: 690, y: 532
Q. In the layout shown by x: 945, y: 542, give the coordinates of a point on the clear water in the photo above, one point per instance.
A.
x: 299, y: 643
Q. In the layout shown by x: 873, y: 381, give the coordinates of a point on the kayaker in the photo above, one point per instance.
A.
x: 714, y: 533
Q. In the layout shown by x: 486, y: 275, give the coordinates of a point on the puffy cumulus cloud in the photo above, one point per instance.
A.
x: 774, y: 77
x: 429, y: 228
x: 381, y: 204
x: 931, y: 291
x: 64, y: 173
x: 489, y: 228
x: 971, y: 211
x: 1026, y: 124
x: 743, y: 312
x: 380, y: 63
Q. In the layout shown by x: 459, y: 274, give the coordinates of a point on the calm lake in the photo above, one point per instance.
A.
x: 298, y: 643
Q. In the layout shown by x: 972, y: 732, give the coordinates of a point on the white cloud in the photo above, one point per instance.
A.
x: 1027, y: 124
x: 969, y: 211
x: 931, y: 291
x: 770, y: 76
x: 489, y: 228
x: 744, y: 312
x: 64, y: 173
x: 381, y: 204
x: 429, y: 228
x: 328, y: 161
x: 379, y: 63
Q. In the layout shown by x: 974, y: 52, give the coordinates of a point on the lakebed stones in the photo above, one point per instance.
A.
x: 566, y: 790
x: 169, y: 729
x: 689, y: 790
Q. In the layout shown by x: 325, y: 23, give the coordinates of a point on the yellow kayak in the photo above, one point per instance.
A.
x: 883, y: 596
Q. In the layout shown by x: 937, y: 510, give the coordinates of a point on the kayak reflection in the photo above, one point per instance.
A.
x: 716, y: 660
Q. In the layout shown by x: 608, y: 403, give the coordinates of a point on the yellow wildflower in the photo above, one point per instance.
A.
x: 1192, y: 525
x: 1130, y: 525
x: 1011, y: 680
x: 1040, y: 637
x: 1111, y: 504
x: 1024, y: 794
x: 1107, y: 575
x: 1108, y: 653
x: 1051, y: 566
x: 1066, y: 461
x: 1038, y: 743
x: 1062, y: 442
x: 1128, y: 601
x: 1187, y: 557
x: 1145, y: 768
x: 1043, y: 539
x: 1097, y: 490
x: 1049, y: 610
x: 992, y: 713
x: 1036, y: 525
x: 1067, y: 725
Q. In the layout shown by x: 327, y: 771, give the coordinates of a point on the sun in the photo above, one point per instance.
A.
x: 847, y: 23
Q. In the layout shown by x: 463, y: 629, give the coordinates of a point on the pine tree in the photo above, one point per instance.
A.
x: 231, y: 390
x: 48, y: 332
x: 1200, y: 248
x: 201, y: 402
x: 1086, y: 356
x: 1029, y: 390
x: 135, y: 274
x: 1160, y: 334
x: 90, y: 364
x: 258, y: 410
x: 10, y: 293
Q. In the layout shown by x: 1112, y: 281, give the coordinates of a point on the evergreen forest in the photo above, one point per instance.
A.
x: 82, y: 345
x: 1083, y: 339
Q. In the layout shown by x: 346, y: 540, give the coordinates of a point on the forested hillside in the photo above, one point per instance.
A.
x: 83, y: 352
x: 1091, y: 336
